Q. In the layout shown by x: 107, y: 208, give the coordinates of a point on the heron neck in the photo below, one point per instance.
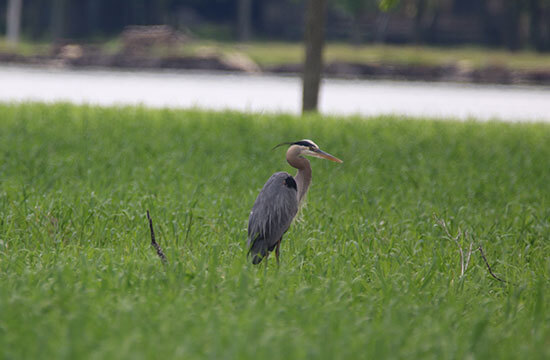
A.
x: 303, y: 179
x: 303, y: 176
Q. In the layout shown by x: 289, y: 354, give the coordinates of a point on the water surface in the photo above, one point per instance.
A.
x: 263, y: 93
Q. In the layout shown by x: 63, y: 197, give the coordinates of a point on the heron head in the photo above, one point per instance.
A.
x: 309, y: 148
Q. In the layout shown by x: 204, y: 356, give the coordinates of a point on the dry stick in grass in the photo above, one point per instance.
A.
x: 488, y: 266
x: 463, y: 264
x: 157, y: 247
x: 469, y: 254
x: 463, y: 267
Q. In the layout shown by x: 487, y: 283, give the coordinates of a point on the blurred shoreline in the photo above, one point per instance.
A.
x: 74, y: 56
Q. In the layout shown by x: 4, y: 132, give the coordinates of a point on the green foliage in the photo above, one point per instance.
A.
x: 353, y: 7
x: 364, y: 272
x: 387, y: 5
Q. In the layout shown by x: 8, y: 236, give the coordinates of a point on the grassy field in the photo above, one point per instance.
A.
x: 365, y: 273
x: 269, y: 53
x: 276, y: 53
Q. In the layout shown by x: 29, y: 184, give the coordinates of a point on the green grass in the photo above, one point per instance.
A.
x: 269, y: 53
x: 364, y: 272
x: 25, y: 48
x: 465, y: 56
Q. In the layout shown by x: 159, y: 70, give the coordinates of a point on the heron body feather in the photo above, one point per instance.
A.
x: 272, y: 213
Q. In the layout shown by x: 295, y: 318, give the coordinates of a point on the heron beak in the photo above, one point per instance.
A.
x: 323, y: 155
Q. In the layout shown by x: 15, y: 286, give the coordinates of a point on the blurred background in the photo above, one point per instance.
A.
x: 510, y: 24
x: 504, y: 42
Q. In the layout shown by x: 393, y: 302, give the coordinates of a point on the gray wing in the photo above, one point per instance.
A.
x: 272, y: 213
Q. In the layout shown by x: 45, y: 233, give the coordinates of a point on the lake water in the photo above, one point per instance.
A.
x: 265, y: 93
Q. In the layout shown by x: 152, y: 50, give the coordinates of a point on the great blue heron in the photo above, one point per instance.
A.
x: 278, y: 201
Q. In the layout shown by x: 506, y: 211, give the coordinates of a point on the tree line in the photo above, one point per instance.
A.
x: 514, y: 24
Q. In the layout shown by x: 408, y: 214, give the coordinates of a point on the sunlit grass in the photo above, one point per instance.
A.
x: 364, y: 272
x: 466, y: 56
x: 24, y: 47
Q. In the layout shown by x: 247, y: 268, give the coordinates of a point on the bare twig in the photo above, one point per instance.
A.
x: 465, y: 262
x: 157, y: 247
x: 443, y: 225
x: 468, y: 257
x: 488, y: 266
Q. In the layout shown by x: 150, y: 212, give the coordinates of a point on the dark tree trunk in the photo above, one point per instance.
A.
x: 244, y: 15
x: 511, y: 24
x: 13, y: 20
x: 314, y: 41
x: 535, y: 14
x: 418, y: 23
x: 58, y: 20
x: 491, y: 30
x: 36, y: 22
x: 93, y: 9
x: 76, y: 15
x: 432, y: 32
x: 356, y: 30
x: 382, y: 20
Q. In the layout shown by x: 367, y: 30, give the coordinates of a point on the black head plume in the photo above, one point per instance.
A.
x: 305, y: 143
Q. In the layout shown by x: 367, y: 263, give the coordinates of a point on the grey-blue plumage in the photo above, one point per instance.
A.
x: 278, y: 201
x: 272, y: 213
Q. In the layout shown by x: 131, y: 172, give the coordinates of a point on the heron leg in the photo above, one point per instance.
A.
x: 277, y: 252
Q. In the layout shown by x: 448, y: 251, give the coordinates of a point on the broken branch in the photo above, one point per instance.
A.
x: 465, y: 262
x: 443, y: 225
x: 157, y: 247
x: 469, y: 254
x: 488, y: 266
